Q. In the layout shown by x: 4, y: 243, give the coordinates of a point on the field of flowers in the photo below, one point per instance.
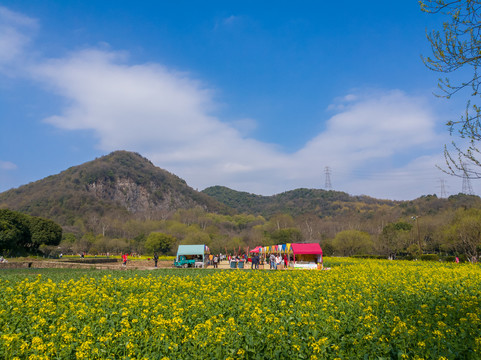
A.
x: 360, y: 309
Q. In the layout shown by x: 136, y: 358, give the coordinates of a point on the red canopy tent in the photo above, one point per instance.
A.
x: 312, y: 248
x: 256, y: 249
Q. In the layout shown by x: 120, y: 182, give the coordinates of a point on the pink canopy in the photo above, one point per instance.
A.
x: 256, y: 249
x: 311, y: 248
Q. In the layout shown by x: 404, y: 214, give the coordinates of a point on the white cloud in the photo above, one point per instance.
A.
x: 230, y: 20
x: 7, y: 165
x: 148, y: 108
x: 418, y: 177
x: 378, y: 126
x: 169, y: 117
x: 350, y: 97
x: 227, y: 22
x: 245, y: 126
x: 15, y: 32
x: 374, y: 128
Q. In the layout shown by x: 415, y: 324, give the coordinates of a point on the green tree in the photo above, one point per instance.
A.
x: 456, y: 48
x: 14, y: 231
x: 327, y: 247
x: 235, y: 244
x: 395, y: 237
x: 159, y: 242
x: 196, y: 238
x: 279, y: 221
x: 20, y: 231
x: 176, y: 229
x: 352, y: 242
x: 44, y: 232
x: 119, y: 246
x: 464, y: 232
x: 284, y: 236
x: 84, y: 243
x: 137, y: 244
x: 414, y: 250
x: 218, y: 243
x: 69, y: 238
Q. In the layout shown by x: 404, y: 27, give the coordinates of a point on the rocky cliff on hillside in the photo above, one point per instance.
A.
x: 126, y: 192
x: 121, y: 184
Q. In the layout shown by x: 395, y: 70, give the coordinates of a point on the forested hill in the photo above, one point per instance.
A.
x: 296, y: 202
x: 123, y: 185
x: 330, y: 203
x: 117, y: 185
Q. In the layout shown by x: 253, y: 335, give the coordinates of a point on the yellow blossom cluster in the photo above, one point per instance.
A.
x: 358, y: 309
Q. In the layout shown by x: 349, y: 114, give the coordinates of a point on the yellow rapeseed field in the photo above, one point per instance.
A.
x: 360, y: 309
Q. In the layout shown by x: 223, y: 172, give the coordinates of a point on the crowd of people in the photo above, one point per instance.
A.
x: 274, y: 261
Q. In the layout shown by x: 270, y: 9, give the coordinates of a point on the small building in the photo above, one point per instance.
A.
x: 191, y: 256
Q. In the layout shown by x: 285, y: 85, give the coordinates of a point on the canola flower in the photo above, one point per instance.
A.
x: 360, y: 309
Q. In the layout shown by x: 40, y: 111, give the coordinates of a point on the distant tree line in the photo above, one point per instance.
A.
x: 24, y: 234
x: 440, y: 228
x: 447, y: 233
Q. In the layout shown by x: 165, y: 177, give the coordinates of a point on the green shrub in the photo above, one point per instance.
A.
x: 429, y: 257
x: 449, y: 258
x: 367, y: 256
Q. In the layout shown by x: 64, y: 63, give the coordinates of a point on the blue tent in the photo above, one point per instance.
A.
x: 191, y: 250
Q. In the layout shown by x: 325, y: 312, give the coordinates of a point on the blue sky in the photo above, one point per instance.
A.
x: 259, y: 97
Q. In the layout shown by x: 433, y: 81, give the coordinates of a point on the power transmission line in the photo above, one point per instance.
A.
x: 443, y: 193
x: 466, y: 189
x: 327, y: 172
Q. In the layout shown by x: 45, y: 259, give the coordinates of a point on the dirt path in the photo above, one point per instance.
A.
x: 79, y: 264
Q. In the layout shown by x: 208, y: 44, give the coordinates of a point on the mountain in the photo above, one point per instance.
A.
x: 329, y: 203
x: 121, y: 184
x: 296, y: 202
x: 124, y: 185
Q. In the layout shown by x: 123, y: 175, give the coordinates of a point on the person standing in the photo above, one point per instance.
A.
x: 278, y: 261
x: 156, y: 259
x: 272, y: 261
x: 211, y: 259
x: 216, y: 261
x: 124, y: 259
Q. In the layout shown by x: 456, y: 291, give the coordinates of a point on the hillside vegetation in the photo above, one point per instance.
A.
x: 120, y: 185
x: 296, y: 202
x: 21, y: 233
x: 123, y: 203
